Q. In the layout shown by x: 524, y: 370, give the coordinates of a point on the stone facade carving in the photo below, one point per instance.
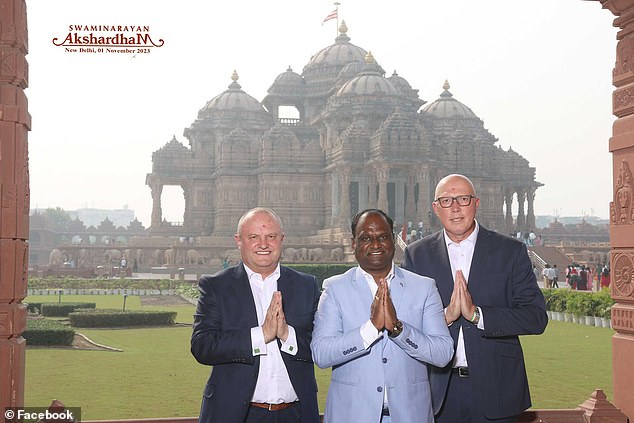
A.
x: 623, y: 273
x: 621, y: 208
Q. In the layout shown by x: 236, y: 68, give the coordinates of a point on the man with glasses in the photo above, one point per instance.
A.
x: 491, y: 296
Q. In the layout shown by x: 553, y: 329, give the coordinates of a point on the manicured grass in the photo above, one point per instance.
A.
x: 156, y: 376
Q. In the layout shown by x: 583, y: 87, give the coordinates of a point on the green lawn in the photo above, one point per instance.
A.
x: 156, y: 376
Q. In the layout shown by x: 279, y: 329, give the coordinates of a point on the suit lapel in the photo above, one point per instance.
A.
x: 480, y: 254
x: 444, y: 277
x: 242, y: 290
x: 397, y: 287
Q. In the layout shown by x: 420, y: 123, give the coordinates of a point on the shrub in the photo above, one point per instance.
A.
x: 118, y: 318
x: 557, y: 300
x: 62, y: 309
x: 322, y: 271
x: 47, y: 332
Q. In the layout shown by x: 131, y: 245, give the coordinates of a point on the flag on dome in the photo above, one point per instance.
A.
x: 331, y: 15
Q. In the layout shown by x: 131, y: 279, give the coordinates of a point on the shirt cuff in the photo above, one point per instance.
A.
x: 258, y: 346
x: 290, y: 346
x: 481, y: 321
x: 369, y: 334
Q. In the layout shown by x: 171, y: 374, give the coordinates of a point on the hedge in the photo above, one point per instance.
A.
x: 117, y: 318
x: 47, y: 332
x: 62, y: 309
x: 100, y: 283
x: 322, y: 271
x: 579, y: 303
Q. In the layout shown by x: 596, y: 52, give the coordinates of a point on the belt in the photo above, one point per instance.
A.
x: 385, y: 412
x: 461, y: 371
x: 273, y: 407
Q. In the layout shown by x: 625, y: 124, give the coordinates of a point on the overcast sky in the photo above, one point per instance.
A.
x: 538, y: 73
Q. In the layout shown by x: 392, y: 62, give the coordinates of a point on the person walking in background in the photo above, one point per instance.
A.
x: 379, y: 326
x: 555, y: 272
x: 490, y: 296
x: 253, y: 324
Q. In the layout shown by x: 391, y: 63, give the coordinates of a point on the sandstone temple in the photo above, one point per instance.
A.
x: 355, y: 138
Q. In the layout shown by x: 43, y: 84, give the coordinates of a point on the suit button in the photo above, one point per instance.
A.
x: 384, y: 360
x: 379, y: 389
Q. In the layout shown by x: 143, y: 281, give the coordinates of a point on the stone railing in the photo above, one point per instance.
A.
x: 596, y: 409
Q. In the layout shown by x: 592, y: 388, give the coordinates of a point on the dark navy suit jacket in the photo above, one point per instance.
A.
x: 222, y: 338
x: 502, y: 283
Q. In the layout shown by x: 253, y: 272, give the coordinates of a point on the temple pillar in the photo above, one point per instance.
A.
x: 382, y: 173
x: 157, y: 214
x: 508, y: 200
x: 410, y: 201
x: 423, y: 206
x: 15, y: 122
x: 344, y: 210
x: 621, y: 146
x: 530, y: 213
x: 372, y: 192
x: 521, y: 219
x: 188, y: 196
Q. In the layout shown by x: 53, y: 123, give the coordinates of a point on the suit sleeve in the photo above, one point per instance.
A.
x: 211, y: 343
x: 526, y: 313
x: 304, y: 327
x: 331, y: 345
x: 434, y: 344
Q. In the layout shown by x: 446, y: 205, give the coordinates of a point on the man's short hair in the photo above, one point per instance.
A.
x: 355, y: 219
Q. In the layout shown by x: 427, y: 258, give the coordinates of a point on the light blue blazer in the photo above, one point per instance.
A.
x: 360, y: 375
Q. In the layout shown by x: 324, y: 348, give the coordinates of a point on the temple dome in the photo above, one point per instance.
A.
x: 447, y: 107
x: 369, y: 81
x: 286, y: 83
x: 340, y: 53
x: 400, y: 83
x: 233, y: 99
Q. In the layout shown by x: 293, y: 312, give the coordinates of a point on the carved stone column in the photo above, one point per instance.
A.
x: 423, y: 207
x: 382, y: 173
x: 508, y: 220
x: 410, y: 202
x: 344, y: 210
x: 15, y: 122
x: 530, y: 213
x: 622, y: 208
x: 372, y: 194
x: 157, y: 190
x: 521, y: 219
x: 188, y: 195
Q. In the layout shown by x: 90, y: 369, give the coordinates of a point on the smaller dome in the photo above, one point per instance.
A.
x: 447, y: 107
x: 233, y: 99
x: 369, y: 81
x: 400, y: 83
x: 286, y: 83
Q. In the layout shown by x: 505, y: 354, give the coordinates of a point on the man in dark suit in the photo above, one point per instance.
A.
x: 490, y: 296
x: 258, y: 344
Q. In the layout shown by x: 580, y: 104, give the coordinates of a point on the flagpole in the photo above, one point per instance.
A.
x: 337, y: 27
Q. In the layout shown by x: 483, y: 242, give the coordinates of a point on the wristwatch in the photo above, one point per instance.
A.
x: 476, y: 317
x: 398, y: 328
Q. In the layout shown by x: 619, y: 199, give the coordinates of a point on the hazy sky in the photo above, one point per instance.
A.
x: 538, y: 73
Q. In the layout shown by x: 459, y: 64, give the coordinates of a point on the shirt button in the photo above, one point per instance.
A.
x: 384, y: 360
x: 379, y: 389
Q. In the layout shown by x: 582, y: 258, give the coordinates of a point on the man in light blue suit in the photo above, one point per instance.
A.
x: 378, y: 326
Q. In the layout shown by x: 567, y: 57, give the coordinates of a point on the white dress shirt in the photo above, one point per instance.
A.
x: 368, y: 331
x: 460, y: 256
x: 273, y: 385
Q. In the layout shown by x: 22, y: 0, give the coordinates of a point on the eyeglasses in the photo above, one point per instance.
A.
x: 462, y: 200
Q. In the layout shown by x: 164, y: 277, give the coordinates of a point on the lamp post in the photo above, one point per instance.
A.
x: 59, y: 296
x: 125, y: 297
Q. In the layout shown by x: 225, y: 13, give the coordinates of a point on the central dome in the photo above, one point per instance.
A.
x: 340, y: 53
